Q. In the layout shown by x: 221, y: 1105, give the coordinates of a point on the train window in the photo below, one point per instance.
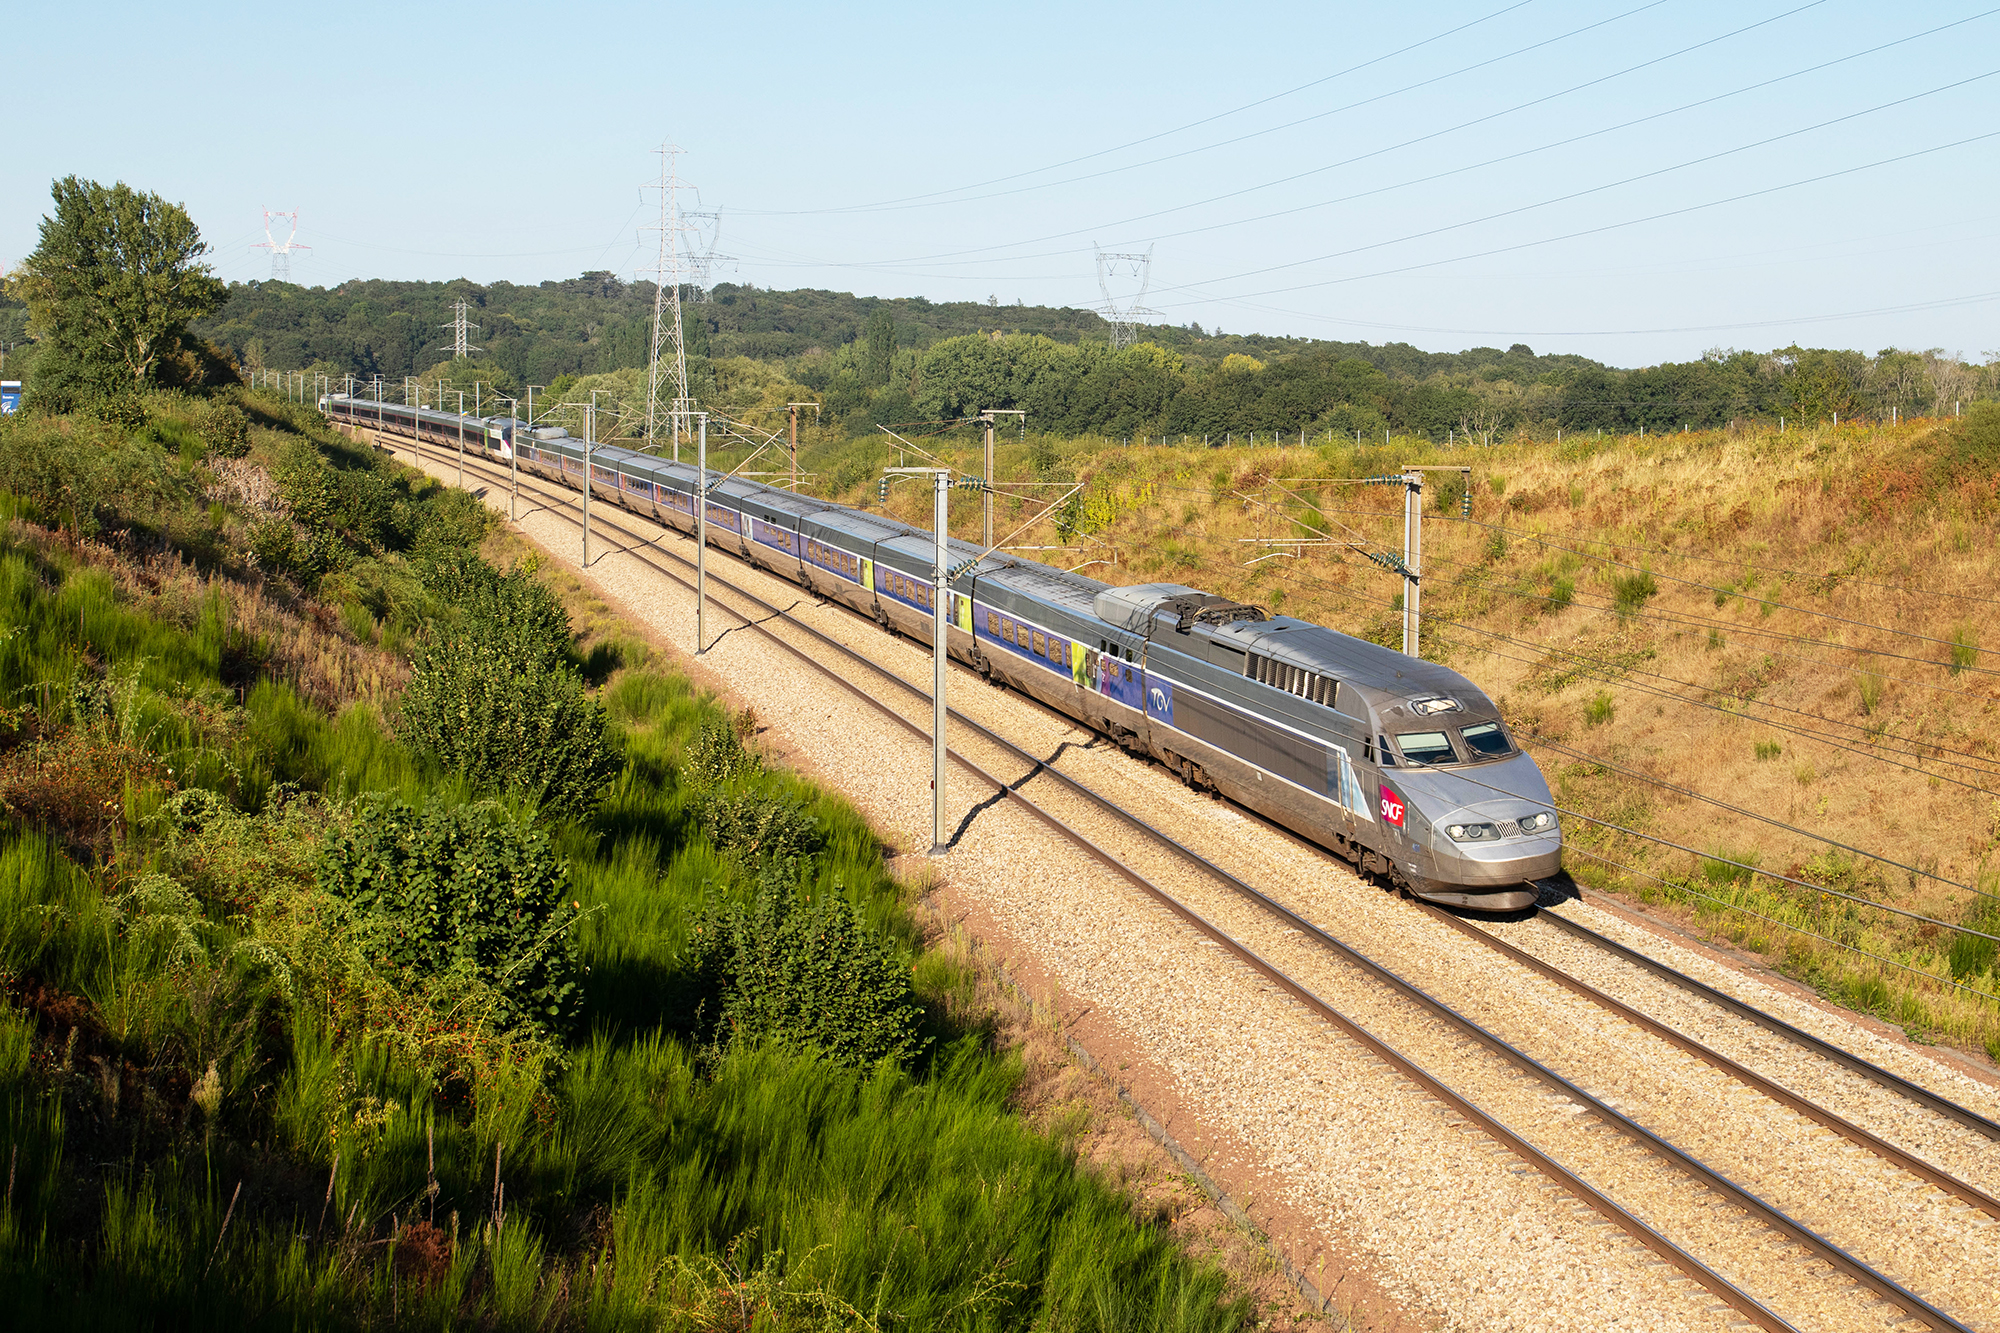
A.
x: 993, y: 623
x: 1388, y: 756
x: 1486, y: 740
x: 1041, y: 643
x: 1056, y: 652
x: 1427, y: 747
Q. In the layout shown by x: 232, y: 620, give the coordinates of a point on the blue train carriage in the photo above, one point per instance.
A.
x: 839, y: 547
x: 1035, y: 628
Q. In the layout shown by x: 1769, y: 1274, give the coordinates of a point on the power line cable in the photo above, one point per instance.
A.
x: 1695, y: 583
x: 1678, y: 887
x: 1574, y: 195
x: 1380, y: 97
x: 1761, y: 601
x: 1332, y: 166
x: 1693, y: 795
x: 1697, y: 621
x: 1612, y: 674
x: 1151, y: 138
x: 1740, y: 564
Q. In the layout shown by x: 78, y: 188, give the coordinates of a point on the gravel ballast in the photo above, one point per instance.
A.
x: 1445, y: 1222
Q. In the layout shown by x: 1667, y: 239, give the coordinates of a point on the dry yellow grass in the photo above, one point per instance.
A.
x: 1757, y: 571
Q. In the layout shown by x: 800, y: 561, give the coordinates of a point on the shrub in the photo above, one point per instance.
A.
x: 124, y: 409
x: 715, y: 754
x: 464, y: 891
x: 1599, y: 710
x: 513, y: 615
x: 799, y: 972
x: 508, y: 723
x: 1869, y: 688
x: 1562, y: 591
x: 224, y: 430
x: 1632, y: 591
x: 762, y: 829
x: 1724, y: 866
x: 1972, y: 955
x: 1768, y: 750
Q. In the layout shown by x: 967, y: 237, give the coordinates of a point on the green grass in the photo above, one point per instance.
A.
x: 641, y: 1174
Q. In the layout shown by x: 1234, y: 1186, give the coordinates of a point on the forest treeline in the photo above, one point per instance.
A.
x: 872, y: 361
x: 880, y: 361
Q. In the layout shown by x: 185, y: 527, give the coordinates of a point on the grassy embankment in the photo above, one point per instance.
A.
x: 1797, y: 624
x: 224, y: 1098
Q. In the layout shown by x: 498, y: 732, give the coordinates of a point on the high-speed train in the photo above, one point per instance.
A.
x: 1401, y: 766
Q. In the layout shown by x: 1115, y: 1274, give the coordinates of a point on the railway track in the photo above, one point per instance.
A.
x: 1822, y: 1285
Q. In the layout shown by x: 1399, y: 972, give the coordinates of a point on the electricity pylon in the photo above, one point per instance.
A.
x: 707, y: 224
x: 459, y: 346
x: 281, y: 251
x: 1123, y: 318
x: 668, y: 363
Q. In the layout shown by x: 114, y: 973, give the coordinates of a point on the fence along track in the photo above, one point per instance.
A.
x: 1836, y: 1258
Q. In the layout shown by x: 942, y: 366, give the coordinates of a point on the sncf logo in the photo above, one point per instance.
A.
x: 1392, y: 808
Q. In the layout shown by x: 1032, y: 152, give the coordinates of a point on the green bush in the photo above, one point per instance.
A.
x: 803, y: 973
x: 508, y: 725
x: 496, y: 698
x: 1562, y: 591
x: 1632, y: 591
x: 512, y: 615
x: 125, y: 409
x: 716, y: 754
x: 223, y: 430
x: 762, y: 829
x: 1975, y: 439
x: 1964, y: 647
x: 462, y: 890
x: 1600, y: 709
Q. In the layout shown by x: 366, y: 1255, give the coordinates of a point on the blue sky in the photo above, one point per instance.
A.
x: 1599, y: 178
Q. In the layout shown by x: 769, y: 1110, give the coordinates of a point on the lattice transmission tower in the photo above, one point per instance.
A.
x: 1124, y: 317
x: 668, y: 368
x: 703, y: 256
x: 459, y: 346
x: 281, y: 251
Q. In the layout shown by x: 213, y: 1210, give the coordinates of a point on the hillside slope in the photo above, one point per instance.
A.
x: 1750, y: 655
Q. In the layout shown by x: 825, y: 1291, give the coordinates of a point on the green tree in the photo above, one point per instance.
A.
x: 880, y: 356
x: 111, y: 290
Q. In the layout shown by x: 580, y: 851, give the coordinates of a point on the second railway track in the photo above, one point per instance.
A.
x: 1778, y: 1271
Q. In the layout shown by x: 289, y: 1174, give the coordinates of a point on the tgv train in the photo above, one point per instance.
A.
x: 1400, y: 765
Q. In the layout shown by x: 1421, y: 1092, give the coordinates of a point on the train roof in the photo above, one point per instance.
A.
x: 1385, y: 676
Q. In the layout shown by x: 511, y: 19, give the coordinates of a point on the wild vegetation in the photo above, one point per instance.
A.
x: 374, y: 948
x: 1756, y: 665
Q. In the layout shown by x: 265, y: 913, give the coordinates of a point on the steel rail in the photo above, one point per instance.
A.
x: 1784, y: 1096
x: 1832, y: 1254
x: 1916, y: 1092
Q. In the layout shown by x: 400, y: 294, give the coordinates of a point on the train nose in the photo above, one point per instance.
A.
x: 1479, y: 847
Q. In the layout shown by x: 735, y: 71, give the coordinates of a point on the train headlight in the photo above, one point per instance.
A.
x: 1472, y: 832
x: 1541, y: 822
